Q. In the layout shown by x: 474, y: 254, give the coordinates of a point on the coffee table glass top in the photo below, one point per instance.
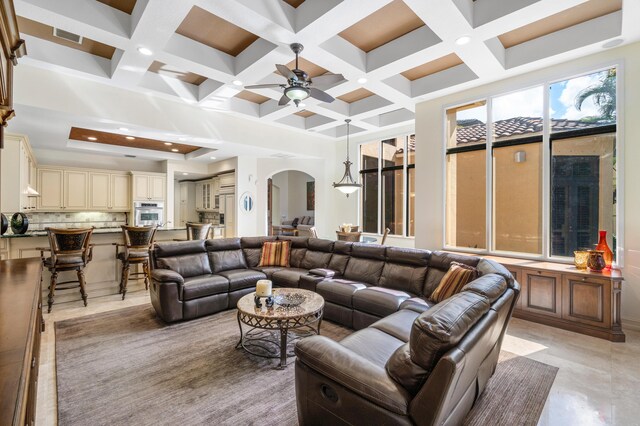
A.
x: 288, y: 303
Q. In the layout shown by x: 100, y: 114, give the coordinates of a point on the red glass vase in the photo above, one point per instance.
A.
x: 604, y: 247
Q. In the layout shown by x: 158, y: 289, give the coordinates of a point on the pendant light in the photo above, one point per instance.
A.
x: 347, y: 185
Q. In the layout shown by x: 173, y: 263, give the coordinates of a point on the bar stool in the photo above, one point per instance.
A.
x: 70, y: 251
x: 137, y: 243
x: 198, y: 231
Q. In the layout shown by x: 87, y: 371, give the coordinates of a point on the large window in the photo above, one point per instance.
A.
x: 388, y: 193
x: 568, y: 136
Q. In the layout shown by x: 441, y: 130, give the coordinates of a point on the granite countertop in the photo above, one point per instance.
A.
x: 43, y: 233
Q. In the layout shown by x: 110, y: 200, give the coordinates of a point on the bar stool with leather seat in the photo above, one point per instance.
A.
x: 70, y: 250
x: 198, y: 231
x: 137, y: 243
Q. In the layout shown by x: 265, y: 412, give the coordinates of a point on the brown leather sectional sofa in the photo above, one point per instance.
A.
x: 407, y: 364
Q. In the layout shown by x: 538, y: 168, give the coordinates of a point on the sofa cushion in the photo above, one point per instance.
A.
x: 225, y: 260
x: 363, y: 270
x: 406, y: 372
x: 439, y: 264
x: 456, y: 277
x: 340, y: 256
x: 320, y: 244
x: 269, y: 270
x: 204, y: 285
x: 440, y: 328
x: 298, y: 249
x: 189, y: 265
x: 491, y: 286
x: 417, y: 304
x: 275, y: 253
x: 372, y: 344
x: 368, y: 251
x: 252, y: 249
x: 488, y: 266
x: 288, y: 277
x: 405, y: 269
x: 379, y: 301
x: 315, y: 259
x: 223, y: 244
x: 242, y: 278
x: 398, y: 324
x: 166, y: 249
x: 339, y: 291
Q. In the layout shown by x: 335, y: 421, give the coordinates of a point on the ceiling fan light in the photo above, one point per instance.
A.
x: 296, y: 93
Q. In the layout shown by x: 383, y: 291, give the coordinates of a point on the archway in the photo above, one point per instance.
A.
x: 290, y: 203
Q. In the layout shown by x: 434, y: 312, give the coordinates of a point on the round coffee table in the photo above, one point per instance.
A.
x: 272, y: 330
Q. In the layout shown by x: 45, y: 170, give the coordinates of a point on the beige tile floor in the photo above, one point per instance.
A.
x: 598, y: 382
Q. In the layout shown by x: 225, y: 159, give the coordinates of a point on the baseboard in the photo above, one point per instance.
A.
x: 629, y: 324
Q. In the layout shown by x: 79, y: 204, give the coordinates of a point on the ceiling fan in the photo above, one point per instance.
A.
x: 299, y: 85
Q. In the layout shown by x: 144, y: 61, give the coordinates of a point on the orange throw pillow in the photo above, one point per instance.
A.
x: 275, y: 253
x: 456, y: 277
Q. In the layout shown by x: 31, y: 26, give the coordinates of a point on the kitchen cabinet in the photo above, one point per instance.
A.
x: 205, y: 196
x: 199, y: 200
x: 149, y: 187
x: 187, y: 203
x: 17, y: 175
x: 109, y: 192
x: 75, y: 190
x: 228, y: 214
x: 50, y: 183
x: 227, y: 180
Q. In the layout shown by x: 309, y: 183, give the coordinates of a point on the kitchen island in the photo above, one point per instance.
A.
x: 102, y: 273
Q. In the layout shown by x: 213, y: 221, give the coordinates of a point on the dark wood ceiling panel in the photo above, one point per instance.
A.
x: 304, y: 113
x: 45, y: 32
x: 356, y: 95
x: 125, y: 6
x: 567, y: 18
x: 294, y: 3
x: 80, y: 134
x: 173, y: 72
x: 252, y: 97
x: 437, y: 65
x: 384, y: 25
x: 207, y: 28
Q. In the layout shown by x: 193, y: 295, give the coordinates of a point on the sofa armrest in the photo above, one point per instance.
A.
x: 286, y: 222
x: 352, y: 371
x: 167, y: 276
x: 323, y: 272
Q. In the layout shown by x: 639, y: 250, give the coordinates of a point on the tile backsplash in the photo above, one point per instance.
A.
x: 39, y: 221
x: 209, y: 217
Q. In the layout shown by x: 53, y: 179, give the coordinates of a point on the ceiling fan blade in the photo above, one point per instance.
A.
x: 283, y: 100
x: 320, y: 95
x: 286, y: 72
x: 327, y: 79
x: 263, y: 86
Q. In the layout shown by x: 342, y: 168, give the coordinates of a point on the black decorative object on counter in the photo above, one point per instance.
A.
x: 19, y: 223
x: 5, y: 224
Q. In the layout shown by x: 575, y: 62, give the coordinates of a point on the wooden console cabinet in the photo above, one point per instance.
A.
x: 562, y: 296
x: 20, y: 328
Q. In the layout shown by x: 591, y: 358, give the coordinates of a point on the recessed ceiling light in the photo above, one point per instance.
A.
x: 212, y: 158
x: 362, y: 80
x: 182, y: 139
x: 174, y: 149
x: 92, y: 138
x: 145, y: 51
x: 123, y: 129
x: 168, y: 143
x: 462, y: 40
x: 184, y: 173
x: 130, y: 138
x: 237, y: 82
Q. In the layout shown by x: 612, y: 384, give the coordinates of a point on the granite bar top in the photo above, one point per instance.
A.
x: 43, y: 233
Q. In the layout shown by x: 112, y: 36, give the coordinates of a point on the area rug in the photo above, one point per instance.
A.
x: 127, y: 367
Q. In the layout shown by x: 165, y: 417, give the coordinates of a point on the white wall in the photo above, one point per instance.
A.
x: 281, y: 180
x: 293, y: 194
x: 430, y: 165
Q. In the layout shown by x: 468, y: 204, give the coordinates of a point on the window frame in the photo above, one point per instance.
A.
x: 405, y: 185
x: 546, y: 164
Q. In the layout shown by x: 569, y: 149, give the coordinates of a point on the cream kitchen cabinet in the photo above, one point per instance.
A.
x: 109, y: 192
x: 17, y: 175
x: 199, y: 200
x: 63, y: 189
x: 147, y: 187
x: 205, y: 196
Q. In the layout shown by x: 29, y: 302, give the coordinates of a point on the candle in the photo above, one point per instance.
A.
x: 263, y: 288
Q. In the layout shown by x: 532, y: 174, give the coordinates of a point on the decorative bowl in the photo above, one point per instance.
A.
x: 5, y: 224
x: 290, y: 300
x: 19, y: 223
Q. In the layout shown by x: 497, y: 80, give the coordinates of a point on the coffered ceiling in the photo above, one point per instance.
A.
x: 392, y: 53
